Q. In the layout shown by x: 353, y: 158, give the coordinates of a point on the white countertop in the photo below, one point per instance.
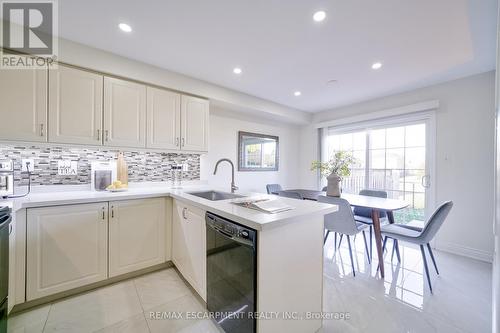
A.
x: 65, y: 195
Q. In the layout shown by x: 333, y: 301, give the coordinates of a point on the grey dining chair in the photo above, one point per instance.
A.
x: 342, y: 222
x: 273, y: 188
x: 290, y: 194
x: 364, y: 215
x: 419, y: 236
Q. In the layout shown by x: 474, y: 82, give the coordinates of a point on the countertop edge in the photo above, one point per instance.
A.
x: 80, y: 198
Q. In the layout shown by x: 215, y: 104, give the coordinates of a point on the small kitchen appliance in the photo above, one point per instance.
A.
x: 103, y: 174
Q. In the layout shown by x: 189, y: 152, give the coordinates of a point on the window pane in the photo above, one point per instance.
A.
x: 359, y: 141
x: 415, y: 158
x: 394, y: 180
x: 395, y: 158
x: 360, y: 157
x: 414, y: 180
x: 333, y: 142
x: 415, y: 135
x: 377, y: 179
x: 398, y: 195
x: 355, y: 182
x: 253, y: 155
x: 346, y: 141
x: 377, y: 139
x: 377, y: 159
x: 269, y: 152
x: 395, y: 137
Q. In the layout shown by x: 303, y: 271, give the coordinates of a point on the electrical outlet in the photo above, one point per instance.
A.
x: 28, y: 164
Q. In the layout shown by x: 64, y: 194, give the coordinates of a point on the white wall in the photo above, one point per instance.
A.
x: 465, y: 123
x: 224, y: 127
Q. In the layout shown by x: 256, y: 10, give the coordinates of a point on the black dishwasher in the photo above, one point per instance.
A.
x: 231, y: 274
x: 5, y: 219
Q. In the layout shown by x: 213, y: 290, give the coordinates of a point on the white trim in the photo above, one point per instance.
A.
x: 403, y: 110
x: 465, y: 251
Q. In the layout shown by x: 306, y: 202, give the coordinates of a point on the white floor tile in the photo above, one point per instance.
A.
x: 94, y: 310
x: 402, y: 301
x: 160, y: 287
x: 31, y: 321
x: 183, y: 305
x: 135, y: 324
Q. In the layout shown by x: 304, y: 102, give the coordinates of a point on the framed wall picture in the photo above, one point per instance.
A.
x: 258, y: 152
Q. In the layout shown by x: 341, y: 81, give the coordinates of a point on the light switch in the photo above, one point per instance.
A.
x: 67, y: 168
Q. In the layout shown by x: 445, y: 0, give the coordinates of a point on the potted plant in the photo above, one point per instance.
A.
x: 336, y: 168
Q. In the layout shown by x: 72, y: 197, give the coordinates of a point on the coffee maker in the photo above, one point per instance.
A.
x: 6, y: 178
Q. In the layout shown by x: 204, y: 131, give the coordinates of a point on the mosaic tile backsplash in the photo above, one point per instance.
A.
x: 142, y: 165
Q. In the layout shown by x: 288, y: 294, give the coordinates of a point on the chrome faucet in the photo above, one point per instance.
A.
x: 233, y: 187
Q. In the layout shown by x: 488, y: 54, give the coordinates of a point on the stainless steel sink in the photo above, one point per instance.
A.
x: 215, y: 195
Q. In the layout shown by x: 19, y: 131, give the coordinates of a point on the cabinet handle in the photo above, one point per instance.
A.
x: 41, y: 129
x: 107, y: 135
x: 184, y: 211
x: 112, y: 212
x: 103, y: 216
x: 98, y: 135
x: 10, y: 228
x: 182, y: 145
x: 177, y: 142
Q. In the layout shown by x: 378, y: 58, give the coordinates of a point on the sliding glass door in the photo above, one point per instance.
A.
x: 394, y: 158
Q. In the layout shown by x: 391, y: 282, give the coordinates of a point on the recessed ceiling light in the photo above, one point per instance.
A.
x: 125, y: 27
x: 377, y: 65
x: 297, y: 93
x: 332, y: 81
x: 237, y: 70
x: 319, y: 16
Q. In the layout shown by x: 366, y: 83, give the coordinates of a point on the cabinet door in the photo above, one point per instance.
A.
x: 66, y: 248
x: 75, y: 106
x: 136, y: 235
x: 23, y: 98
x: 124, y: 113
x: 164, y: 114
x: 194, y: 123
x: 189, y: 245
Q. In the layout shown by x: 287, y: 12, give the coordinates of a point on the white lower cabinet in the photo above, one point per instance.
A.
x: 66, y: 248
x: 136, y: 235
x: 189, y: 245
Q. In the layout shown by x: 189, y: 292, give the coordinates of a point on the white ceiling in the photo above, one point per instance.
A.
x: 281, y: 49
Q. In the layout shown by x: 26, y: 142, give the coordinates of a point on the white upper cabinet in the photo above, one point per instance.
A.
x: 23, y: 104
x: 136, y: 235
x: 75, y: 106
x: 194, y: 123
x: 164, y: 114
x: 124, y: 113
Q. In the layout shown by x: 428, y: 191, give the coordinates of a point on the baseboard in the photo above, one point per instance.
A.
x: 464, y: 251
x: 80, y: 290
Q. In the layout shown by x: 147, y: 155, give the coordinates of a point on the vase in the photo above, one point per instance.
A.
x: 333, y: 187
